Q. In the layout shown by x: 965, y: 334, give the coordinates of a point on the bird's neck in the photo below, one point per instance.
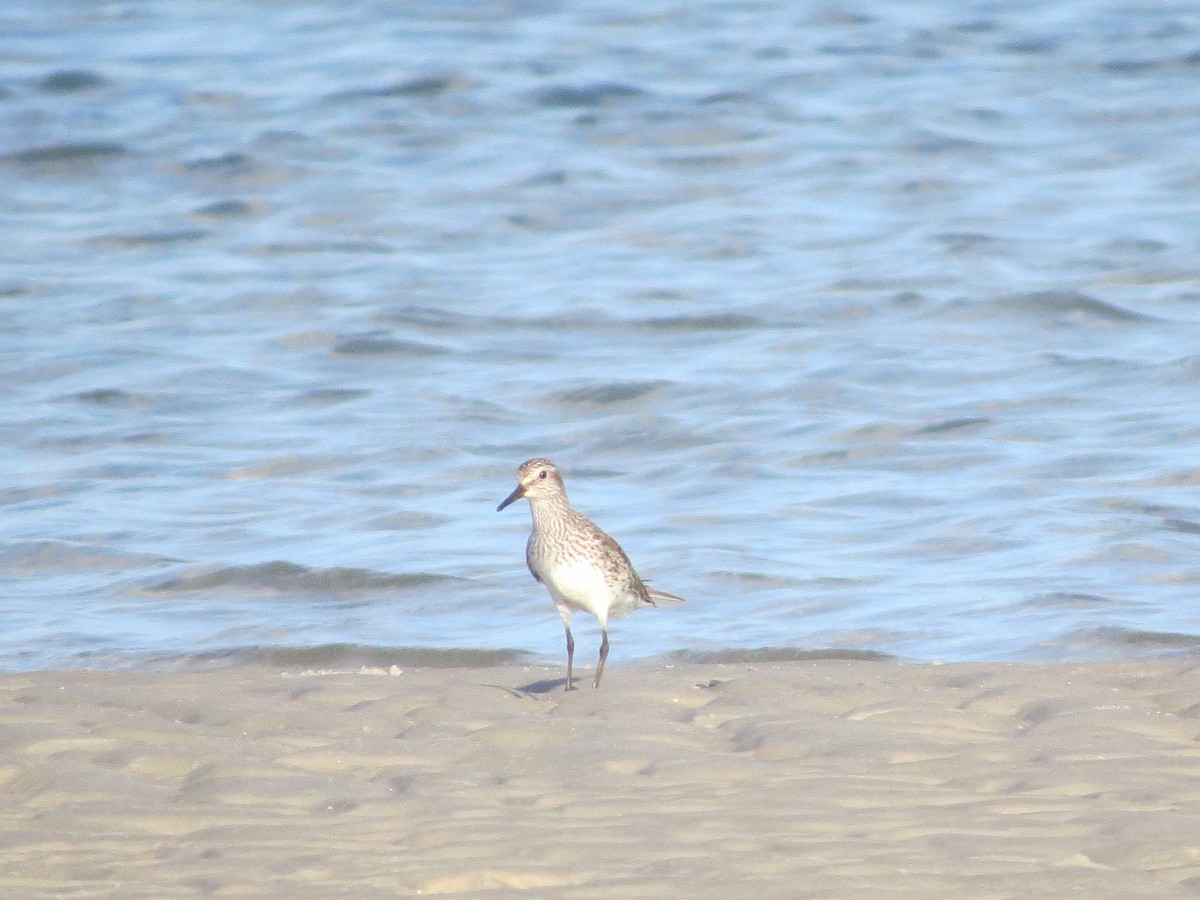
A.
x: 547, y: 512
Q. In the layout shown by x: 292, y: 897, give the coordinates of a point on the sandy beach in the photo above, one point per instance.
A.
x: 802, y: 779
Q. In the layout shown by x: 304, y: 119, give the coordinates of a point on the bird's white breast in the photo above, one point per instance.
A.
x: 578, y: 584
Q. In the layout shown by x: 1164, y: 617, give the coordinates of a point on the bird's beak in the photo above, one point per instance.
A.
x: 513, y: 497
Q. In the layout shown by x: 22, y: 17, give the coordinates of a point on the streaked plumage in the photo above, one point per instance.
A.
x: 583, y: 568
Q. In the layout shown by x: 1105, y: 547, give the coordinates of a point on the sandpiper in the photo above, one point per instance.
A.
x: 583, y: 568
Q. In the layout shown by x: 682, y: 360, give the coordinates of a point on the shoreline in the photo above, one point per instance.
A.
x: 814, y: 778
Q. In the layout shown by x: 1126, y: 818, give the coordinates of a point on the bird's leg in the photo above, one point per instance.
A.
x: 570, y: 654
x: 603, y: 656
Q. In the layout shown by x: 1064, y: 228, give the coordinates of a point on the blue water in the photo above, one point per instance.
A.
x: 868, y: 329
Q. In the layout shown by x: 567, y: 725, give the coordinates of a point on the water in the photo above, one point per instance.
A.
x: 868, y: 328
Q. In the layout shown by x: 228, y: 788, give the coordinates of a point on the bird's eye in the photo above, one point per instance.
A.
x: 542, y: 474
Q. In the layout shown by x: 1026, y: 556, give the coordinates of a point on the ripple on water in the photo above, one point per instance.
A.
x: 611, y: 394
x: 366, y: 658
x: 40, y: 557
x: 280, y: 577
x: 67, y: 155
x: 421, y: 87
x: 586, y: 96
x: 1118, y: 642
x: 378, y: 344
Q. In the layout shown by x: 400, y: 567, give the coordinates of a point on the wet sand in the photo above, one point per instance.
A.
x: 800, y: 779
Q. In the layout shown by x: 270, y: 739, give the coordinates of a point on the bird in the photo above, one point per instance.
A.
x: 583, y: 568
